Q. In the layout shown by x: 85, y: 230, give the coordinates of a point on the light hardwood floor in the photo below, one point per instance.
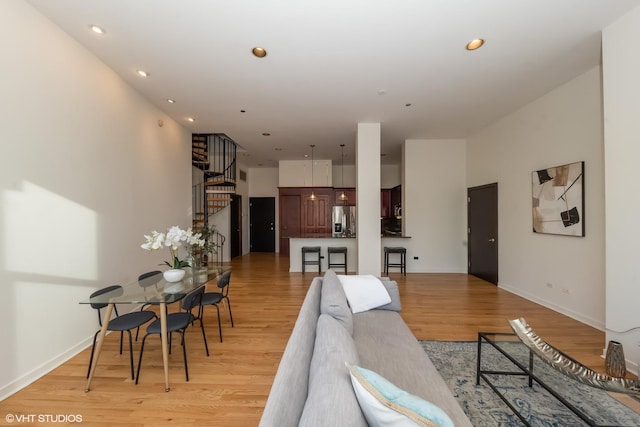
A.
x: 230, y: 387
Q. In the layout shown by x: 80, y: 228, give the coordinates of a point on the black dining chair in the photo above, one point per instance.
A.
x: 214, y: 298
x: 146, y: 280
x: 179, y: 322
x: 124, y: 323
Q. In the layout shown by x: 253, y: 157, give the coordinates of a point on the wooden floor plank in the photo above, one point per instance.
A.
x: 230, y: 387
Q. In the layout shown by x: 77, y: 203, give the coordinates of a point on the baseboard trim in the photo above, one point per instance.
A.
x: 555, y: 307
x: 35, y: 374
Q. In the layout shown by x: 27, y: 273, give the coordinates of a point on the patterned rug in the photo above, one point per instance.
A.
x: 456, y: 362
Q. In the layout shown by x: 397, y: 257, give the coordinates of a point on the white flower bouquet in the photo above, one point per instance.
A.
x: 173, y: 239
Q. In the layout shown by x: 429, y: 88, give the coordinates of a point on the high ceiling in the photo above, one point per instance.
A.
x: 334, y: 63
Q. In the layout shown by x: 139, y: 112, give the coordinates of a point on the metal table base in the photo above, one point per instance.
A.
x: 521, y: 371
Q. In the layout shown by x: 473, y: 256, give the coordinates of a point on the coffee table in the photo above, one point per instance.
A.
x: 522, y: 366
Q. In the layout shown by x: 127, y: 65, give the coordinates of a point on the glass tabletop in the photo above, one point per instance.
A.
x: 154, y: 289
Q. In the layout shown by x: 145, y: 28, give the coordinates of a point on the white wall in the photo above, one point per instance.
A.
x: 621, y: 67
x: 563, y: 126
x: 390, y: 175
x: 349, y: 180
x: 86, y: 172
x: 263, y: 182
x: 434, y: 205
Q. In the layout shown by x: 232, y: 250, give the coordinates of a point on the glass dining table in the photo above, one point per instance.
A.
x: 154, y: 290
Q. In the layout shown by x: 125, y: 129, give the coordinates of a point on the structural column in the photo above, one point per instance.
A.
x: 368, y: 199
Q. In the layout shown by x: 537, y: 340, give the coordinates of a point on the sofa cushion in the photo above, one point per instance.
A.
x: 331, y: 401
x: 384, y: 404
x: 289, y: 390
x: 364, y: 292
x: 394, y: 294
x: 387, y: 346
x: 334, y: 301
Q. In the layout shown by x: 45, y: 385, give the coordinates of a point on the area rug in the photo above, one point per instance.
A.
x: 456, y: 362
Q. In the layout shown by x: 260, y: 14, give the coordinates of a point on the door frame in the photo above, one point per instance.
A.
x: 252, y: 200
x: 235, y: 226
x: 492, y: 276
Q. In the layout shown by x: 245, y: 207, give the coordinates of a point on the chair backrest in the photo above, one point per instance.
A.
x: 149, y: 278
x: 99, y: 292
x: 193, y: 299
x: 223, y: 282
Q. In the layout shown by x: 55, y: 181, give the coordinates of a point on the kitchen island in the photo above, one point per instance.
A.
x: 296, y: 244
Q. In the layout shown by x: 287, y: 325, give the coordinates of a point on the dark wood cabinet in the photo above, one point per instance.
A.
x: 290, y: 217
x: 385, y: 203
x: 390, y: 199
x: 302, y: 217
x: 349, y: 192
x: 396, y: 201
x: 316, y: 215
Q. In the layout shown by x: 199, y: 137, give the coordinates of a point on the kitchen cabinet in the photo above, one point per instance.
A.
x: 390, y: 201
x: 385, y: 203
x: 396, y: 201
x: 299, y: 173
x: 316, y: 214
x: 349, y: 192
x: 290, y: 217
x: 301, y: 217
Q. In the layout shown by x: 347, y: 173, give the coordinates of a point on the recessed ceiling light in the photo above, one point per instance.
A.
x: 171, y: 101
x: 98, y: 30
x: 191, y: 119
x: 475, y: 44
x: 143, y: 73
x: 266, y: 134
x: 260, y: 52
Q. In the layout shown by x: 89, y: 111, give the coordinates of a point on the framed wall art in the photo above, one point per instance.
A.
x: 558, y: 200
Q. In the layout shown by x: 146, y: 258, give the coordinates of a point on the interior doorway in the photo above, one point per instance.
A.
x: 482, y: 229
x: 262, y: 224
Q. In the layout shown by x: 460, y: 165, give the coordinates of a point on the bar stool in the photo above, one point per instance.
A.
x: 403, y: 259
x: 337, y: 250
x: 311, y: 250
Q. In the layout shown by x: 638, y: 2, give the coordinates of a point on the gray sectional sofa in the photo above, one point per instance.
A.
x: 312, y: 386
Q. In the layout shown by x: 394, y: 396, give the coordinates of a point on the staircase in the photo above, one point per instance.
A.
x: 215, y: 155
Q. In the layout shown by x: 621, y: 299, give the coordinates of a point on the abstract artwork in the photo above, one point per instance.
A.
x: 558, y: 200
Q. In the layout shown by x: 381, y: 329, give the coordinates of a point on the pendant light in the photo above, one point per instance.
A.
x: 343, y: 196
x: 313, y: 196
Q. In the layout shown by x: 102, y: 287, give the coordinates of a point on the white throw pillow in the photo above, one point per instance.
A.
x: 364, y: 292
x: 383, y: 404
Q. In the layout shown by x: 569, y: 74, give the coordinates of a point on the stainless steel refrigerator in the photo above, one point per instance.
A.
x: 344, y: 221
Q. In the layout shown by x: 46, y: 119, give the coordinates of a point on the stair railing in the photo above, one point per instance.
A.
x: 219, y: 256
x: 198, y: 201
x: 222, y: 156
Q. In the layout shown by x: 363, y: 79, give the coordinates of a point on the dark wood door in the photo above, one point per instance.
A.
x: 236, y: 226
x: 482, y: 229
x: 262, y: 224
x: 289, y: 220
